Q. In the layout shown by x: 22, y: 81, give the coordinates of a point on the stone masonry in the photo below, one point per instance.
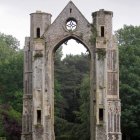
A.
x: 45, y: 38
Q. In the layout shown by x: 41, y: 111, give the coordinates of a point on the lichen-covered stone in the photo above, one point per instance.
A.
x: 38, y: 100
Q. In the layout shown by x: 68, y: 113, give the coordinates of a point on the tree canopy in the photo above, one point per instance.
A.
x: 11, y: 86
x: 129, y: 57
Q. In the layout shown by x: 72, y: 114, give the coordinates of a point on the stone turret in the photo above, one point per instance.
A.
x: 103, y: 21
x: 40, y: 21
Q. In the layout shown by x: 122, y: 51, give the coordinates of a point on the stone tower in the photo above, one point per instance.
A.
x: 45, y: 38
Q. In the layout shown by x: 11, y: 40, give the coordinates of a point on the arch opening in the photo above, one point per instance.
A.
x: 73, y: 38
x: 71, y: 77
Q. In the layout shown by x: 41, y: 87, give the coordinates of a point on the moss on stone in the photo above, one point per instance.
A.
x: 101, y: 53
x: 94, y: 35
x: 38, y: 54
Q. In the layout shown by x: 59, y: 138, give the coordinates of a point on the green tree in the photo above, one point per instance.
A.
x: 69, y: 73
x: 129, y: 57
x: 9, y: 41
x: 74, y: 68
x: 83, y: 131
x: 11, y: 85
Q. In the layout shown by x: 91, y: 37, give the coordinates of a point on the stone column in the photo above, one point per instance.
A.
x: 27, y: 97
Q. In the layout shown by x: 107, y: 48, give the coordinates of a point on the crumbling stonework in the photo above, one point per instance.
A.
x: 45, y: 38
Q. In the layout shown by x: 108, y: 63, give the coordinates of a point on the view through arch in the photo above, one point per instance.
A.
x: 73, y: 47
x: 72, y: 91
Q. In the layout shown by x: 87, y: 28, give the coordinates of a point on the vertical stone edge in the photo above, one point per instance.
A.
x: 27, y: 96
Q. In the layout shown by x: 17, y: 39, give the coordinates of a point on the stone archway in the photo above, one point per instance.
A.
x: 53, y: 51
x: 38, y: 100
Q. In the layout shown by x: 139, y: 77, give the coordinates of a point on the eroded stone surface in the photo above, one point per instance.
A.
x: 38, y: 100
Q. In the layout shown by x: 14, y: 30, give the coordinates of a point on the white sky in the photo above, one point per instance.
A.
x: 15, y: 19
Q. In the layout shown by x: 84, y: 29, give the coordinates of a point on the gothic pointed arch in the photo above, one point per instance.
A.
x: 38, y: 99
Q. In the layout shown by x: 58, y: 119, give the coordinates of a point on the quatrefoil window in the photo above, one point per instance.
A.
x: 71, y: 24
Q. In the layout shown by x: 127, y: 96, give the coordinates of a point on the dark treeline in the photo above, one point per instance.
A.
x: 72, y: 96
x: 11, y: 87
x: 129, y: 57
x: 71, y: 89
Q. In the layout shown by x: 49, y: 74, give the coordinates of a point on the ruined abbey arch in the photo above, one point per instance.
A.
x: 38, y: 99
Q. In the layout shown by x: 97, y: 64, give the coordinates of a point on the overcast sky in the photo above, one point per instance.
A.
x: 15, y: 19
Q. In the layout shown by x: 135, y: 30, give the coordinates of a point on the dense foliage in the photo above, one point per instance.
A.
x: 129, y: 47
x: 71, y: 89
x: 70, y: 73
x: 11, y: 85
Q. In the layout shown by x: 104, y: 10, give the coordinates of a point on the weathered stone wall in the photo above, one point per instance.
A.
x: 27, y: 97
x: 45, y: 38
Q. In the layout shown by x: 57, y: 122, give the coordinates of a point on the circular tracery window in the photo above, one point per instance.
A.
x: 71, y: 24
